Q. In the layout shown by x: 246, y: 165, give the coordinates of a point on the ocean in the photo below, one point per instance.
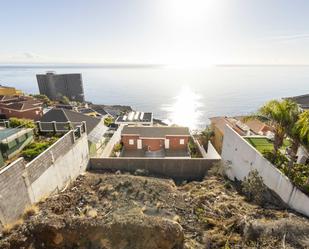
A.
x: 184, y: 96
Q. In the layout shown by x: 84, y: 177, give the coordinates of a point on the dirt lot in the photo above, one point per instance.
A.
x: 124, y: 211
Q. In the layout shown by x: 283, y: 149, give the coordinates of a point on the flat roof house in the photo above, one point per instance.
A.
x: 155, y: 141
x: 12, y: 141
x: 135, y: 118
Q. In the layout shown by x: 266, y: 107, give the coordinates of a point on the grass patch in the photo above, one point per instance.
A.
x: 261, y: 144
x: 264, y: 145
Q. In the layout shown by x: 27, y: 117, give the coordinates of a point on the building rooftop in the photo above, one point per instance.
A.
x: 135, y: 117
x: 12, y: 133
x: 155, y: 131
x: 240, y: 125
x: 221, y: 122
x: 7, y: 132
x: 65, y: 115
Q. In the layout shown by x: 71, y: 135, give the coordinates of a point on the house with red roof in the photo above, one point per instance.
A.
x: 21, y: 107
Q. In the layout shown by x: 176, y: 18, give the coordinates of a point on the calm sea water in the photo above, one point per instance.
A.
x: 186, y: 96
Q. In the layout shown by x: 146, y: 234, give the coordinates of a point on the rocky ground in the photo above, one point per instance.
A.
x: 123, y: 211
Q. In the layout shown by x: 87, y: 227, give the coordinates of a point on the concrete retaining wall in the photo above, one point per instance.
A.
x: 22, y: 184
x: 180, y: 168
x: 241, y: 158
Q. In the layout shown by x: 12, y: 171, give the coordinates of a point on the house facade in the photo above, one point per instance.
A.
x: 155, y: 139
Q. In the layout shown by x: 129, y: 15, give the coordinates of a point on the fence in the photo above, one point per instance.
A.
x: 22, y: 184
x: 241, y: 158
x: 60, y: 127
x: 178, y: 168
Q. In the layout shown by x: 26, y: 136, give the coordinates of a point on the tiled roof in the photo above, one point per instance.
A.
x: 155, y: 131
x: 221, y: 122
x: 65, y: 115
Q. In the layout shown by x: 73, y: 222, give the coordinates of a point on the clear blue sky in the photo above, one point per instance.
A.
x: 155, y: 31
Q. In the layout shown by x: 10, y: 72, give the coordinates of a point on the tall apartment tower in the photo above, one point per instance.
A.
x: 56, y: 85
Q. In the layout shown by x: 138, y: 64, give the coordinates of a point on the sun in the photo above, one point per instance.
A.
x: 189, y: 12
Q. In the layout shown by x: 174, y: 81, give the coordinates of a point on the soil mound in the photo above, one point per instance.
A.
x: 122, y: 211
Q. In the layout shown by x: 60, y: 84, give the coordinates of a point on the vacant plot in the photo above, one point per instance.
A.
x: 123, y: 211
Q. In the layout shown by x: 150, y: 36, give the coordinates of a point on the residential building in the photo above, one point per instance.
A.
x: 242, y: 126
x: 54, y: 86
x: 12, y: 141
x: 156, y: 141
x: 21, y: 107
x: 64, y: 117
x: 5, y: 90
x: 302, y: 101
x: 135, y: 118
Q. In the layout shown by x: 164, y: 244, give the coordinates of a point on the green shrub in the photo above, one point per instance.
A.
x: 35, y: 148
x: 22, y: 122
x: 117, y: 147
x: 278, y: 159
x: 46, y: 101
x: 299, y: 175
x: 108, y: 121
x: 254, y: 188
x: 194, y: 151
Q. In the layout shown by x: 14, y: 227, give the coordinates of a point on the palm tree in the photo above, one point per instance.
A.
x: 282, y: 116
x: 302, y: 128
x: 205, y: 136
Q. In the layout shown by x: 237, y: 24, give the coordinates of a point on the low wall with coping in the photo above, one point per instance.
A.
x: 241, y: 158
x: 178, y: 168
x: 23, y: 184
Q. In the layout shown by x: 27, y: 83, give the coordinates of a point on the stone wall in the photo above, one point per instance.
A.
x: 23, y: 184
x: 241, y: 158
x: 180, y: 168
x: 13, y: 191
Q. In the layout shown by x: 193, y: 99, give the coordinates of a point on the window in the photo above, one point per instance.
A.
x: 182, y: 141
x: 131, y: 141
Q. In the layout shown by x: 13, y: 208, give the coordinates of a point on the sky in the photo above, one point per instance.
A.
x: 174, y: 32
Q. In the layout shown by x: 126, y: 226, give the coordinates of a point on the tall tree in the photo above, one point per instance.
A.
x: 302, y: 128
x: 282, y: 115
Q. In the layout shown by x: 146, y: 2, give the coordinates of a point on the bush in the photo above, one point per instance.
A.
x: 277, y: 159
x: 108, y: 121
x: 299, y: 175
x: 254, y: 188
x: 22, y: 122
x: 194, y: 151
x: 35, y: 148
x: 117, y: 147
x: 43, y: 98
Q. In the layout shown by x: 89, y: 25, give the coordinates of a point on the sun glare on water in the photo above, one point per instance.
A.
x: 185, y: 110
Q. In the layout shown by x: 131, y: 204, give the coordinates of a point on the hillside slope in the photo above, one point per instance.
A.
x: 124, y: 211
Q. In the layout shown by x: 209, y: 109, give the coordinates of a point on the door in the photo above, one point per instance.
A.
x: 167, y: 143
x: 139, y: 144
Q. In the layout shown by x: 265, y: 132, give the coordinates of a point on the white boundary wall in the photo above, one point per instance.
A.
x: 241, y: 158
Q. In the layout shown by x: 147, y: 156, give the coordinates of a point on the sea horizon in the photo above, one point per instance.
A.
x: 182, y: 95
